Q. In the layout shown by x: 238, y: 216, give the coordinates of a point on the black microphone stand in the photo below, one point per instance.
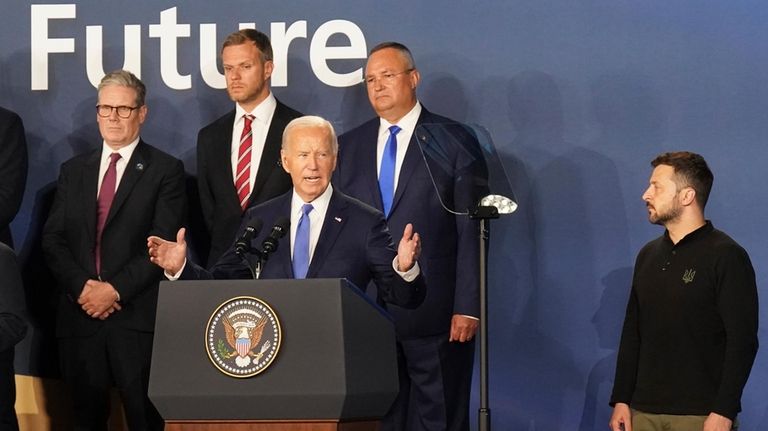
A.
x: 484, y: 214
x: 256, y: 269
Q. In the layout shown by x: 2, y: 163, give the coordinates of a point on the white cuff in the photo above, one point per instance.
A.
x: 176, y: 276
x: 409, y: 275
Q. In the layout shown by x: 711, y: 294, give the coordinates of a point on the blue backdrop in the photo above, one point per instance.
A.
x: 578, y: 96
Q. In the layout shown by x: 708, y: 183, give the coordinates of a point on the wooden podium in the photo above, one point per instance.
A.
x: 272, y: 426
x: 336, y: 367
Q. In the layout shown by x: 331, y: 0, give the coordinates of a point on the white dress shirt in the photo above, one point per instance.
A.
x: 407, y: 125
x: 316, y: 217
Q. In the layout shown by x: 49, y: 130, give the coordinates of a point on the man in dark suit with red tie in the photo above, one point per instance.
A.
x: 238, y: 155
x: 381, y: 164
x: 107, y: 202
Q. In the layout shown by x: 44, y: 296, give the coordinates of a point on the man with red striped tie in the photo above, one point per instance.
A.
x: 238, y: 155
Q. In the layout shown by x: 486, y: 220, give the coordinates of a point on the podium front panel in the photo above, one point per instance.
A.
x: 337, y: 357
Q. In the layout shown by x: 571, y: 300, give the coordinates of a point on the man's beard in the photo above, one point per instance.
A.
x: 662, y: 218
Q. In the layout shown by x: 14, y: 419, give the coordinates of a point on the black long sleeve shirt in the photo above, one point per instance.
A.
x: 690, y: 332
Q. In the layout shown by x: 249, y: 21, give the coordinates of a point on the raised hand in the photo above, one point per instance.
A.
x: 409, y: 249
x: 168, y: 255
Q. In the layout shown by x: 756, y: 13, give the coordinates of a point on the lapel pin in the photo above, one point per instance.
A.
x: 338, y: 219
x: 139, y: 166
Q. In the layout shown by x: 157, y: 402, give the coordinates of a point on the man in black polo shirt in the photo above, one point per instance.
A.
x: 690, y: 332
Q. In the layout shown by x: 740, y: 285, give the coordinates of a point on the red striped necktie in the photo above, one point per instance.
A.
x: 243, y: 177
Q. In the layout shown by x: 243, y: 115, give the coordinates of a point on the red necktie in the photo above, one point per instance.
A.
x: 104, y: 201
x: 243, y: 177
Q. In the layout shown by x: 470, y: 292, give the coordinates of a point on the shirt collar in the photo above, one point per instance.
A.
x: 320, y: 203
x: 692, y: 236
x: 262, y: 111
x: 408, y: 122
x: 125, y: 152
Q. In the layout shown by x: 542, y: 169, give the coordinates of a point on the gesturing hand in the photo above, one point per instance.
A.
x: 168, y: 255
x: 409, y: 249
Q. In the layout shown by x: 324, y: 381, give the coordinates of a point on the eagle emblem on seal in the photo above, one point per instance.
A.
x: 243, y: 336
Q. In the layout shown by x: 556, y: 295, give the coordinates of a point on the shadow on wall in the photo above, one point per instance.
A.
x: 569, y: 231
x: 607, y: 322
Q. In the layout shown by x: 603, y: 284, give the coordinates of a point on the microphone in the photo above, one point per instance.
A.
x: 243, y: 245
x: 279, y: 230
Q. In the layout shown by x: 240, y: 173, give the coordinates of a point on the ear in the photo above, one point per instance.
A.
x: 143, y: 110
x: 688, y: 196
x: 415, y: 78
x: 269, y: 66
x: 284, y: 160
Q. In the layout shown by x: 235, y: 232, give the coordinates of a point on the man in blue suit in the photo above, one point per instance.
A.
x: 381, y: 164
x: 331, y: 234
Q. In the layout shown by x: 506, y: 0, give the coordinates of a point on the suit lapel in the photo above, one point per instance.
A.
x: 270, y: 156
x: 221, y: 154
x: 335, y: 218
x: 413, y: 160
x: 370, y: 142
x: 282, y: 256
x: 134, y: 169
x: 90, y: 193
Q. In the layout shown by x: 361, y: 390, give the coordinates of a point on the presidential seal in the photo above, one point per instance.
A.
x: 243, y: 337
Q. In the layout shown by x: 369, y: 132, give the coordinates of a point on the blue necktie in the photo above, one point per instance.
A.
x: 387, y: 171
x: 301, y: 244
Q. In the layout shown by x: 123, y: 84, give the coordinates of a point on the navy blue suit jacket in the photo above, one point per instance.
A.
x: 354, y: 244
x: 450, y: 244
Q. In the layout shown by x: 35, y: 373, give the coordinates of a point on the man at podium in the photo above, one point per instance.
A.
x: 331, y: 235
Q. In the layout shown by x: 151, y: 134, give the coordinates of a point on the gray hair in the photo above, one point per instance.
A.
x: 125, y: 78
x: 399, y: 47
x: 311, y: 121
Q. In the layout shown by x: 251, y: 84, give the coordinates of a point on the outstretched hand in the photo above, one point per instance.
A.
x: 409, y: 249
x: 168, y: 255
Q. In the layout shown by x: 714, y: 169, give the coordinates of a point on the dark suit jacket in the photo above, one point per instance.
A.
x: 150, y: 200
x: 450, y: 244
x: 354, y: 244
x: 218, y: 197
x: 12, y: 330
x: 13, y: 170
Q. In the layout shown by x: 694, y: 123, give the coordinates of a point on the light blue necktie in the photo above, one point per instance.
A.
x: 301, y: 244
x: 387, y: 171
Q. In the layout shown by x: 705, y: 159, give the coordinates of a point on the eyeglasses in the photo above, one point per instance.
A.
x: 386, y: 77
x: 122, y: 111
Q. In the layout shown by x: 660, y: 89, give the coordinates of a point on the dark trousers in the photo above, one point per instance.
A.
x: 113, y: 357
x: 7, y: 392
x: 435, y: 383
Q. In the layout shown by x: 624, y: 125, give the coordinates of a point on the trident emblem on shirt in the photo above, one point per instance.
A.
x: 688, y: 275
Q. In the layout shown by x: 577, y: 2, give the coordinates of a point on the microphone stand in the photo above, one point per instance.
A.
x: 256, y: 270
x: 484, y: 214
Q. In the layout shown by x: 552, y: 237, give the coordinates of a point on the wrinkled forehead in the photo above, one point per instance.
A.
x: 312, y: 138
